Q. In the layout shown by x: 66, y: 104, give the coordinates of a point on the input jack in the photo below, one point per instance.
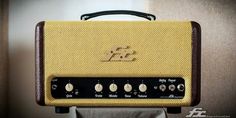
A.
x: 162, y: 87
x: 171, y: 87
x: 180, y: 87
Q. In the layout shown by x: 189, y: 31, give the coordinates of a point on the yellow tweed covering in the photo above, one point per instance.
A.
x: 74, y: 49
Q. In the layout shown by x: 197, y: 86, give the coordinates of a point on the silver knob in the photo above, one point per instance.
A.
x: 142, y: 87
x: 98, y: 87
x: 69, y: 87
x: 127, y: 87
x: 113, y: 87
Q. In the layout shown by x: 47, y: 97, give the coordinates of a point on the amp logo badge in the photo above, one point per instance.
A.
x: 118, y: 53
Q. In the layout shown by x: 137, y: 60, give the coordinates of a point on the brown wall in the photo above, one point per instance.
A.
x: 3, y: 57
x: 217, y: 19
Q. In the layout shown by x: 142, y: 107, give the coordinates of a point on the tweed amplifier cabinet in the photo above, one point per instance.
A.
x: 118, y: 64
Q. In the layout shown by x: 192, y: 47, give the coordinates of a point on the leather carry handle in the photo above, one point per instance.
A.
x: 117, y: 12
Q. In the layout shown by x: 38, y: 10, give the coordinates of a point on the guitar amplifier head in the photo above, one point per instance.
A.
x: 118, y: 63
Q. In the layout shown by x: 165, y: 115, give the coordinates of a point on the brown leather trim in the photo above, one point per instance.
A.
x: 39, y: 65
x: 196, y: 63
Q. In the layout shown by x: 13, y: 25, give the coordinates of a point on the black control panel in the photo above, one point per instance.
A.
x: 117, y: 87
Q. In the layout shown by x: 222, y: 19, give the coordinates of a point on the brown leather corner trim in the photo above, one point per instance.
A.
x: 39, y: 63
x: 196, y: 63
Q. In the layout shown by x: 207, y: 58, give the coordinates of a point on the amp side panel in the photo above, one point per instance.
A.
x: 196, y: 63
x: 39, y: 67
